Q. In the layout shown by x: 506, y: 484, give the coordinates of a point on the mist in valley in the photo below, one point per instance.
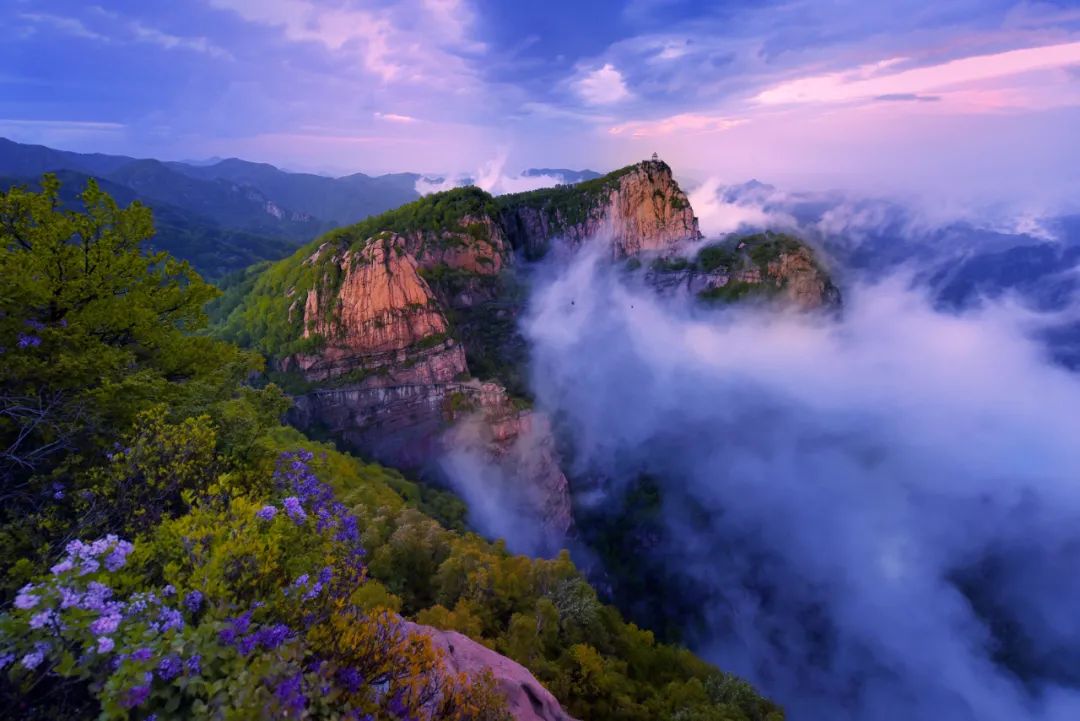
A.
x: 870, y: 516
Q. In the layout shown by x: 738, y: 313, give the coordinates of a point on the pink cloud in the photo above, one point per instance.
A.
x: 395, y: 118
x: 869, y: 81
x: 682, y: 123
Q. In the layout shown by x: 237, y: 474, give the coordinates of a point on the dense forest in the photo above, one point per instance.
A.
x: 172, y: 550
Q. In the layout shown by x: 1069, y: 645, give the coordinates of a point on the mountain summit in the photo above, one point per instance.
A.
x: 396, y: 333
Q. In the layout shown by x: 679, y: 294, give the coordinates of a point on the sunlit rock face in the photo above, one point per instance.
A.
x: 375, y: 314
x: 526, y: 698
x: 772, y: 267
x: 393, y: 320
x: 640, y: 208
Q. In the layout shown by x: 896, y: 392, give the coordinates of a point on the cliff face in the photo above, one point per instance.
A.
x: 378, y: 314
x: 767, y: 266
x: 640, y: 208
x: 518, y: 444
x: 388, y: 321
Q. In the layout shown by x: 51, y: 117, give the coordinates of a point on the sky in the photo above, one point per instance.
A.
x: 967, y: 97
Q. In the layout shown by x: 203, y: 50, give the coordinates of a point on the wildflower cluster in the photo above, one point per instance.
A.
x: 302, y: 650
x: 75, y: 611
x: 310, y: 496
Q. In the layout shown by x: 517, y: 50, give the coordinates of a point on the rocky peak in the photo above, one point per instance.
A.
x: 638, y: 208
x: 768, y: 266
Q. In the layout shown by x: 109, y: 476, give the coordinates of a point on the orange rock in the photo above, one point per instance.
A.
x: 526, y: 697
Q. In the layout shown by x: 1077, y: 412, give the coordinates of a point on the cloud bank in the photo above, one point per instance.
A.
x: 490, y: 176
x: 878, y: 516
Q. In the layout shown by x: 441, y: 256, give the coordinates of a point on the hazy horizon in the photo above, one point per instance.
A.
x: 967, y: 101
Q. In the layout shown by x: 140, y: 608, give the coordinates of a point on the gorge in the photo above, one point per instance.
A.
x: 375, y: 324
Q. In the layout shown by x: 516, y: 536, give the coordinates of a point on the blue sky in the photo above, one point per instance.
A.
x: 983, y: 94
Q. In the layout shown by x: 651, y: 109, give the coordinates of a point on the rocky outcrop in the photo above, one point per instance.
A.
x: 377, y: 319
x: 479, y: 247
x: 801, y: 281
x: 526, y: 698
x: 392, y: 312
x: 640, y: 208
x: 767, y: 266
x: 519, y: 444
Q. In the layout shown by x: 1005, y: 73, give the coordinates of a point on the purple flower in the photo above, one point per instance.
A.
x: 28, y: 341
x: 142, y: 654
x: 290, y: 694
x: 266, y: 513
x: 62, y: 567
x: 246, y: 644
x: 105, y: 644
x: 350, y: 679
x: 168, y: 591
x: 326, y: 574
x: 96, y: 597
x: 242, y: 622
x: 236, y: 629
x: 295, y: 510
x: 193, y: 601
x: 270, y: 637
x: 315, y: 590
x: 118, y: 557
x: 105, y: 625
x: 302, y: 580
x: 69, y: 597
x: 170, y: 667
x: 193, y: 665
x: 24, y: 599
x: 33, y: 659
x: 44, y: 618
x: 168, y: 619
x: 58, y: 491
x: 89, y: 566
x: 136, y: 696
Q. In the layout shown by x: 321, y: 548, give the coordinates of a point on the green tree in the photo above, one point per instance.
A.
x: 93, y: 331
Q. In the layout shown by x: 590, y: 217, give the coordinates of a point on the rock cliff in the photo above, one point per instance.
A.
x: 387, y: 322
x: 639, y: 208
x: 526, y: 698
x: 373, y: 311
x: 767, y: 266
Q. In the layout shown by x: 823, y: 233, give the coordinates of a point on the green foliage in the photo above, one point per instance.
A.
x: 490, y: 333
x: 716, y: 257
x: 670, y: 265
x: 567, y: 205
x: 93, y: 331
x: 543, y: 614
x: 213, y: 250
x: 156, y: 436
x: 223, y: 612
x: 438, y: 212
x: 263, y: 308
x: 736, y: 290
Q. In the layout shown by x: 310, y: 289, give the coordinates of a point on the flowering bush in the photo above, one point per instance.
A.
x: 228, y: 630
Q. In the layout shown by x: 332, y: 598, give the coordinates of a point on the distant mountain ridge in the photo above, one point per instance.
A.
x: 568, y: 176
x: 221, y: 215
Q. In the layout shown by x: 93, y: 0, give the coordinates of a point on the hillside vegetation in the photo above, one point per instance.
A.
x: 222, y: 216
x: 171, y: 551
